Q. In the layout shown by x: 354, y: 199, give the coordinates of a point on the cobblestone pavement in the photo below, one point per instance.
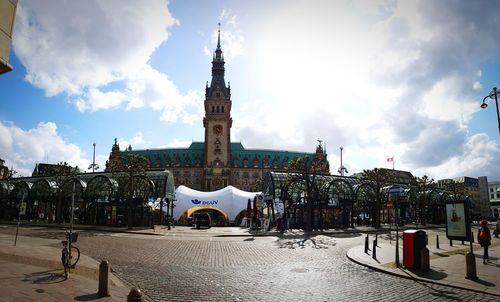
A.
x: 254, y: 269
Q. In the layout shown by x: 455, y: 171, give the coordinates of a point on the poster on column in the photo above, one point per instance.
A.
x: 457, y: 221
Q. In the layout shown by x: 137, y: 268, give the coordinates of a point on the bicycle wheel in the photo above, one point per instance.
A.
x: 75, y: 256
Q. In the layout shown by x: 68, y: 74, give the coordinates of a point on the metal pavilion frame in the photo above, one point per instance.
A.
x: 342, y: 201
x: 93, y: 192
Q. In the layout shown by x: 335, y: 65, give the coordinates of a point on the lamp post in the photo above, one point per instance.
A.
x: 493, y: 95
x: 342, y: 169
x: 93, y: 165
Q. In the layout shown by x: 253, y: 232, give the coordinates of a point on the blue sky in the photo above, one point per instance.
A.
x: 380, y: 78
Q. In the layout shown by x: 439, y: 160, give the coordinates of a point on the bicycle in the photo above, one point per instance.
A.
x: 69, y: 258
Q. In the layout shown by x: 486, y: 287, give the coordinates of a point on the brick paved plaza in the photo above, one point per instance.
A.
x: 202, y: 266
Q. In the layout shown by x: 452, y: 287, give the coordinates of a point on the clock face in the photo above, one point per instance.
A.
x: 218, y: 129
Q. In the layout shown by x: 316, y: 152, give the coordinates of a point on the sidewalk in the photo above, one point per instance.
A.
x: 447, y: 264
x: 32, y: 271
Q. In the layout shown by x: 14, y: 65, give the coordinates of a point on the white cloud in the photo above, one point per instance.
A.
x: 231, y: 37
x: 87, y: 49
x: 177, y: 143
x: 24, y: 148
x: 136, y: 140
x: 396, y: 79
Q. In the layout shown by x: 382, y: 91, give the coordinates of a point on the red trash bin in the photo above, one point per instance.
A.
x: 413, y: 243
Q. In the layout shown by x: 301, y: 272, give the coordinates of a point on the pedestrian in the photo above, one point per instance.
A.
x: 484, y: 239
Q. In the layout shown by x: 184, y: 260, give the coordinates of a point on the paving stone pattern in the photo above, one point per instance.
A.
x: 256, y: 269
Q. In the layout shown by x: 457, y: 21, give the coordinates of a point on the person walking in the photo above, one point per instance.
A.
x: 484, y: 239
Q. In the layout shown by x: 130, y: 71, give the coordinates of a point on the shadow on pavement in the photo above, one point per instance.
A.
x: 448, y: 295
x: 89, y: 297
x: 485, y: 283
x: 45, y: 277
x: 431, y: 274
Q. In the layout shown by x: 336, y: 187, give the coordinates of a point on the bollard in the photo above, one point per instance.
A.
x: 425, y: 260
x: 470, y: 261
x: 374, y: 251
x: 366, y: 244
x: 437, y: 241
x: 451, y: 243
x: 135, y: 295
x: 462, y: 242
x: 376, y: 239
x: 103, y: 279
x: 471, y: 236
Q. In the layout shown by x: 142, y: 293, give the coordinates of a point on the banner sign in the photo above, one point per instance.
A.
x: 457, y: 221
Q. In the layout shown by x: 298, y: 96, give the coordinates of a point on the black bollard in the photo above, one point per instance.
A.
x: 462, y: 242
x: 374, y: 251
x: 470, y: 263
x: 451, y: 243
x: 135, y: 295
x: 471, y: 237
x: 366, y: 244
x: 103, y: 279
x: 437, y: 242
x: 376, y: 239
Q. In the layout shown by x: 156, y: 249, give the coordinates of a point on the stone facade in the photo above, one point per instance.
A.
x: 4, y: 171
x: 7, y: 16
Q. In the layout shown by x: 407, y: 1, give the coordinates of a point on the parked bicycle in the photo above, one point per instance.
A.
x: 69, y: 258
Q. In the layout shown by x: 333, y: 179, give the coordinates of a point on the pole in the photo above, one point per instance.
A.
x: 341, y: 166
x: 19, y: 219
x: 397, y: 233
x: 70, y: 239
x: 496, y: 103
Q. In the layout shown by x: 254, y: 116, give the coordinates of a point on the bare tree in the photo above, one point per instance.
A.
x: 308, y: 173
x: 379, y: 178
x: 127, y: 172
x: 421, y: 187
x: 60, y: 173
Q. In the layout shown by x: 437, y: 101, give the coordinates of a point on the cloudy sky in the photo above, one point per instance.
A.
x: 402, y: 79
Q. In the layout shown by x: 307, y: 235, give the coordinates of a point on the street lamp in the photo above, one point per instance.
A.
x: 494, y: 94
x: 342, y: 169
x: 93, y: 165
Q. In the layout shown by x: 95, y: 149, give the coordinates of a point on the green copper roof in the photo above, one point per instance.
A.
x: 262, y: 158
x: 240, y: 157
x: 161, y: 158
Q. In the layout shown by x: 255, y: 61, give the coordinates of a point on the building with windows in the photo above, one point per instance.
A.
x: 217, y: 162
x: 7, y: 15
x: 494, y: 196
x: 475, y: 188
x: 4, y: 171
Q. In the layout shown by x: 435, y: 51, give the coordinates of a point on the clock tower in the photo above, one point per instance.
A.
x: 217, y: 123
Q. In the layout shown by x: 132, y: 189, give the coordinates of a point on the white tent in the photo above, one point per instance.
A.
x: 229, y: 200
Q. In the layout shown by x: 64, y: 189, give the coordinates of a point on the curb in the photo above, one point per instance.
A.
x: 414, y: 278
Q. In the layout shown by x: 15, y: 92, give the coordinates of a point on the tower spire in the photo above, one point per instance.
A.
x: 218, y: 37
x: 218, y: 71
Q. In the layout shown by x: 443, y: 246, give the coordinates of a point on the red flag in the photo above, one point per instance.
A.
x: 389, y: 159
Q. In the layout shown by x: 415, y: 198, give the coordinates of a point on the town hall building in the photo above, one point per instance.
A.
x: 217, y: 162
